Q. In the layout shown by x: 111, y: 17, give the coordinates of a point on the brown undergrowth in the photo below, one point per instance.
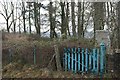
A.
x: 22, y: 48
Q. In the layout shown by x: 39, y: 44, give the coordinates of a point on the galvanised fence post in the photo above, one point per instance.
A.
x: 102, y: 57
x: 34, y: 55
x: 10, y: 55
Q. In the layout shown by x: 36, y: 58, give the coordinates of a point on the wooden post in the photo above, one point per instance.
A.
x: 72, y: 59
x: 75, y: 61
x: 79, y: 59
x: 97, y: 60
x: 10, y: 55
x: 68, y: 59
x: 66, y: 65
x: 58, y: 63
x: 102, y: 58
x: 94, y: 59
x: 83, y: 60
x: 86, y: 58
x: 90, y: 59
x: 34, y: 55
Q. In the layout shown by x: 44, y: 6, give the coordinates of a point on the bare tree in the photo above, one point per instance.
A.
x: 98, y: 15
x: 23, y: 14
x: 7, y: 13
x: 79, y: 21
x: 29, y: 7
x: 51, y: 20
x: 118, y: 27
x: 37, y: 17
x: 73, y: 18
x: 67, y: 18
x: 63, y: 19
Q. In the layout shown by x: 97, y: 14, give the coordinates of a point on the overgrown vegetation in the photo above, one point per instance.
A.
x: 22, y: 58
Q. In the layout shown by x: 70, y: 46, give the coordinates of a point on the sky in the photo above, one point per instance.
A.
x: 2, y: 20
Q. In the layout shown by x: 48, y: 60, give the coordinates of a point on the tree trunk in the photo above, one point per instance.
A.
x: 7, y: 23
x: 63, y: 19
x: 79, y: 25
x: 82, y: 23
x: 35, y: 17
x: 14, y: 28
x: 67, y: 18
x: 23, y: 13
x: 29, y: 20
x: 54, y: 22
x: 99, y: 15
x: 38, y: 20
x: 51, y: 20
x: 73, y: 19
x: 118, y: 27
x: 19, y: 25
x: 58, y: 62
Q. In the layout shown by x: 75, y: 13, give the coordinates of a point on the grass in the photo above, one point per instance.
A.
x: 17, y: 70
x: 23, y: 45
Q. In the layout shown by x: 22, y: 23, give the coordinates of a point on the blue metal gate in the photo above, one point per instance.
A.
x: 84, y: 60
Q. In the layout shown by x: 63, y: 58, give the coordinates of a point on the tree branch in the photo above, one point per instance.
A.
x: 3, y: 15
x: 14, y: 20
x: 10, y: 15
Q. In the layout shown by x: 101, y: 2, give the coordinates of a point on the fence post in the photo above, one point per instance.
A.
x: 10, y: 55
x: 65, y: 58
x: 86, y: 58
x: 72, y: 58
x: 75, y: 60
x: 34, y: 55
x: 102, y: 57
x: 58, y: 63
x: 68, y: 52
x: 90, y: 60
x: 97, y: 55
x: 79, y: 59
x: 83, y: 60
x: 94, y: 60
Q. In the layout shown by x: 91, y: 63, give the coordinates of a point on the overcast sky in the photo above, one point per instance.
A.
x: 2, y: 20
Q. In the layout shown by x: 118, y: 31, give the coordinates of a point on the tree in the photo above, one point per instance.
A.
x: 118, y: 27
x: 63, y: 19
x: 82, y: 21
x: 98, y: 15
x: 51, y: 20
x: 7, y: 14
x: 38, y: 17
x: 79, y: 25
x: 67, y: 18
x: 13, y: 17
x: 73, y: 18
x: 29, y: 6
x: 37, y: 7
x: 23, y: 14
